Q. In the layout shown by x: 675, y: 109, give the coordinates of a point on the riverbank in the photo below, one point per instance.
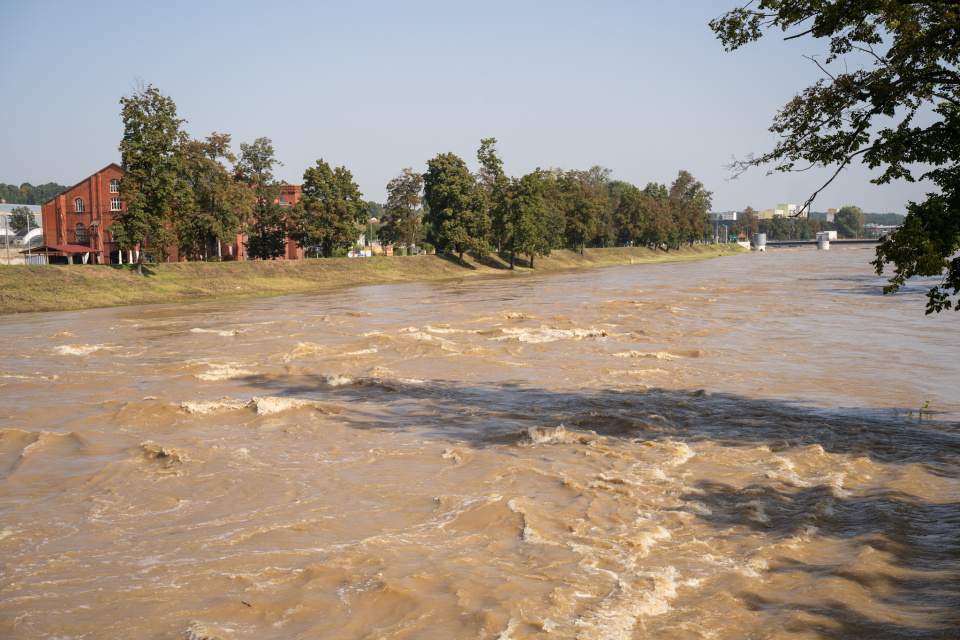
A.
x: 70, y: 287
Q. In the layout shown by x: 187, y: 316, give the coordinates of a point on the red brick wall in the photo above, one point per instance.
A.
x: 59, y: 217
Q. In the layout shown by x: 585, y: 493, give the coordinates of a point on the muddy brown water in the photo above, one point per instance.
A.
x: 729, y: 448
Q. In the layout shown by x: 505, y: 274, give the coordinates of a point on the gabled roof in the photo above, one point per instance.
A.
x: 112, y: 164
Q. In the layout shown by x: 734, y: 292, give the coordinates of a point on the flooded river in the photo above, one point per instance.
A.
x: 758, y: 446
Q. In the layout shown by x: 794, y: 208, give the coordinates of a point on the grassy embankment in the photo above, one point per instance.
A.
x: 69, y: 287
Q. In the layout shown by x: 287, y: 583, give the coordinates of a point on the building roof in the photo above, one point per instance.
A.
x: 112, y: 164
x: 61, y: 248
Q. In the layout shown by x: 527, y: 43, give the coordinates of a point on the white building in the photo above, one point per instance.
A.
x: 792, y: 211
x: 725, y: 215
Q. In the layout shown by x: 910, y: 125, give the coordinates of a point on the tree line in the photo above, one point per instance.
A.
x: 196, y: 195
x: 26, y: 193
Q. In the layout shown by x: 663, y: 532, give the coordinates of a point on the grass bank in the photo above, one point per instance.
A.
x: 69, y: 287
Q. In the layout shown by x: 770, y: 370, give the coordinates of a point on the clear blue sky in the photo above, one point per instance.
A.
x: 642, y: 88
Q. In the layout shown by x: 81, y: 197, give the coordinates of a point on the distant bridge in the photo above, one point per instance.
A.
x: 803, y: 243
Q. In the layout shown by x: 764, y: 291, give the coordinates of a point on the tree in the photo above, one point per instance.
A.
x: 582, y: 205
x: 266, y: 234
x: 777, y: 228
x: 894, y: 104
x: 492, y: 182
x: 689, y: 202
x: 400, y: 218
x: 214, y: 204
x: 456, y: 207
x: 605, y: 233
x: 524, y: 217
x: 660, y: 226
x: 630, y: 213
x: 148, y: 151
x: 747, y: 223
x: 849, y: 221
x: 20, y: 218
x: 331, y: 212
x: 26, y: 193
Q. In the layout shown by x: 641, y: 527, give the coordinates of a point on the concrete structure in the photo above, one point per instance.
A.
x: 831, y: 215
x: 759, y: 242
x: 824, y: 238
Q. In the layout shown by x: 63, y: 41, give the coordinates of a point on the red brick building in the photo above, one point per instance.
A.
x: 82, y: 215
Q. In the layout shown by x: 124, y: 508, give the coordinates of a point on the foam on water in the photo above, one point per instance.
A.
x: 559, y: 435
x: 81, y: 349
x: 212, y: 406
x: 220, y: 332
x: 548, y: 334
x: 223, y: 372
x: 154, y: 451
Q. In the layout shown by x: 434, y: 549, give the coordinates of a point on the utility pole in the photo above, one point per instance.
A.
x: 6, y: 236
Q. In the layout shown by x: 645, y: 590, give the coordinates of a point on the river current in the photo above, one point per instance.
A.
x: 757, y: 446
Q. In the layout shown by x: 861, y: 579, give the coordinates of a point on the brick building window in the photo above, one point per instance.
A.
x: 78, y: 205
x: 81, y: 232
x: 114, y: 186
x: 115, y: 204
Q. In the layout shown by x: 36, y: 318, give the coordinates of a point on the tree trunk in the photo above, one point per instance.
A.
x: 461, y: 258
x: 512, y: 254
x: 531, y: 261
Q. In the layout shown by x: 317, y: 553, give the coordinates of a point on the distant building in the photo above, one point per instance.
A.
x: 792, y: 211
x: 831, y: 215
x: 6, y: 208
x: 82, y: 215
x: 725, y: 215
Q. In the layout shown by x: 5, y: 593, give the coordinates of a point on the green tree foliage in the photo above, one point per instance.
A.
x: 401, y: 215
x: 746, y: 223
x: 331, y: 212
x: 265, y: 228
x: 631, y: 213
x: 19, y: 218
x: 659, y: 227
x: 151, y: 136
x: 777, y: 228
x: 375, y: 210
x: 213, y: 206
x: 457, y: 209
x: 581, y: 204
x: 893, y: 103
x: 688, y: 203
x: 525, y: 221
x: 26, y: 193
x: 849, y: 222
x: 492, y: 182
x: 605, y: 231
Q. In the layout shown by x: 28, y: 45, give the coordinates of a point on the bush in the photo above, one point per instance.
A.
x: 399, y: 251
